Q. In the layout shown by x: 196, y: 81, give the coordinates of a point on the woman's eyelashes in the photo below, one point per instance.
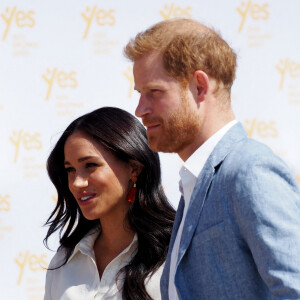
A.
x: 91, y: 165
x: 70, y: 169
x: 88, y: 165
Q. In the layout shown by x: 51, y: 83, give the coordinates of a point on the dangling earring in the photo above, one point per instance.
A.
x: 132, y: 192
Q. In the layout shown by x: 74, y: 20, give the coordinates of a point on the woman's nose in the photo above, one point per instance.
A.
x: 80, y: 181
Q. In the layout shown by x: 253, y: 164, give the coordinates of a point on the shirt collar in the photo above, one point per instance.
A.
x: 196, y: 161
x: 86, y: 244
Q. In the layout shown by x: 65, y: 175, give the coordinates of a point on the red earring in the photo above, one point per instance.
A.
x: 132, y: 192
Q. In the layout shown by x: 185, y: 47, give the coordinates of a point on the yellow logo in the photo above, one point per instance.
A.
x: 173, y: 11
x: 286, y: 66
x: 129, y: 75
x: 54, y: 198
x: 31, y: 261
x: 298, y: 178
x: 18, y: 17
x: 254, y: 10
x: 29, y: 141
x: 63, y: 79
x: 4, y: 203
x: 103, y: 17
x: 263, y: 129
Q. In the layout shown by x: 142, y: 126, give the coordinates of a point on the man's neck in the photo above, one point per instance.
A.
x: 205, y: 133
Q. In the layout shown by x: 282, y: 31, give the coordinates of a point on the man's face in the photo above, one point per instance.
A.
x: 167, y: 110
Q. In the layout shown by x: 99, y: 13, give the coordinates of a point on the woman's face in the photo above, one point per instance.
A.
x: 98, y: 181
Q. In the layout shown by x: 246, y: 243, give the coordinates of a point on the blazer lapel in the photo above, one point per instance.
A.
x: 234, y: 135
x: 196, y: 205
x: 166, y: 272
x: 177, y: 221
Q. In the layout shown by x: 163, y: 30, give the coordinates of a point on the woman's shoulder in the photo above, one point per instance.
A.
x: 58, y: 258
x: 86, y: 242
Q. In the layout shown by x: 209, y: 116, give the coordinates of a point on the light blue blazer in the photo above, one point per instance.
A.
x: 241, y: 237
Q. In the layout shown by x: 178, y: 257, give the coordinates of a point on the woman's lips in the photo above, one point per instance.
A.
x: 85, y: 199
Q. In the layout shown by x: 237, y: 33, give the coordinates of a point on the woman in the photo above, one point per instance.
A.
x: 112, y: 214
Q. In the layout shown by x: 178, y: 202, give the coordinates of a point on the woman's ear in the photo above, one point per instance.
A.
x: 136, y: 168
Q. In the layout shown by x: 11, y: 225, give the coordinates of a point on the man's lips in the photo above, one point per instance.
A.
x: 151, y: 126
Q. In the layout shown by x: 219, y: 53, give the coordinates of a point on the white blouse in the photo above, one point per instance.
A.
x: 79, y: 278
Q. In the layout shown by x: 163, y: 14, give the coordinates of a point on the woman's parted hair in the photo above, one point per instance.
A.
x: 186, y: 46
x: 150, y: 216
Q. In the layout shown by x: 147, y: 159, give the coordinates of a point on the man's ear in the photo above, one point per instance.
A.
x: 136, y: 168
x: 201, y: 81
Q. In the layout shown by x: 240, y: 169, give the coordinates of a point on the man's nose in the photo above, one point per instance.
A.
x: 143, y: 107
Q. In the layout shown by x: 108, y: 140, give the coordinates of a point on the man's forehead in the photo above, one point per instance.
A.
x: 152, y: 79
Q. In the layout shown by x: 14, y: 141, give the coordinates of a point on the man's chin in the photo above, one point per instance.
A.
x: 157, y: 147
x: 153, y: 144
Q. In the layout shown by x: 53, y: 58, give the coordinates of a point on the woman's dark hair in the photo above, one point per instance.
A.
x: 150, y: 215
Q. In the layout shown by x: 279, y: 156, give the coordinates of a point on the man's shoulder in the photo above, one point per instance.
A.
x: 252, y: 167
x: 249, y: 151
x: 252, y: 161
x: 237, y: 149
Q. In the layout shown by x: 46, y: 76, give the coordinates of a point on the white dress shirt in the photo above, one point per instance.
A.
x: 189, y: 173
x: 79, y: 278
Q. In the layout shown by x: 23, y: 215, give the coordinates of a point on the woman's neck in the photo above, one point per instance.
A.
x: 115, y: 235
x: 113, y: 239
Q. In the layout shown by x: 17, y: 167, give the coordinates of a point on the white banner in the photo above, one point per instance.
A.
x: 61, y: 59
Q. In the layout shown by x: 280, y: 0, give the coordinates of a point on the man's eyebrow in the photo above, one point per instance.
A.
x: 150, y: 86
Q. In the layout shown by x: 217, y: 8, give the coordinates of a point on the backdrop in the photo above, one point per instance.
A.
x: 61, y: 59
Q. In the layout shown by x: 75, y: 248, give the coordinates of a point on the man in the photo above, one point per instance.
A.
x: 237, y: 230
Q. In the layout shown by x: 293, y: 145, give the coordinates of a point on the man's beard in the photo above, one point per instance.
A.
x: 177, y: 131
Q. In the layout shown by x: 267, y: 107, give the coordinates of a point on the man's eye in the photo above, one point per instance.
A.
x: 153, y: 93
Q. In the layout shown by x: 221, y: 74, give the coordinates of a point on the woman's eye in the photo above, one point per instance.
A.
x: 91, y: 165
x: 69, y: 169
